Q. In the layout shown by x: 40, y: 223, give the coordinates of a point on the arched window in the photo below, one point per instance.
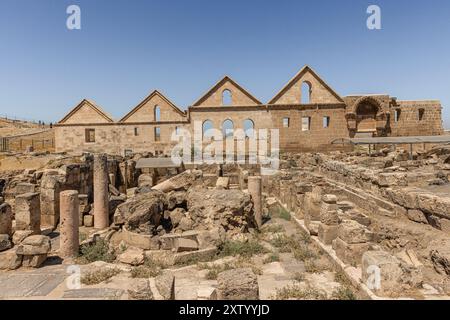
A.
x: 249, y: 127
x: 397, y: 114
x: 206, y: 128
x: 157, y: 113
x: 226, y: 98
x: 421, y: 114
x: 227, y: 128
x: 306, y: 93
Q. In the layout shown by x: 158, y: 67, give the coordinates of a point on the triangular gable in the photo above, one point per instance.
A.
x: 86, y: 112
x: 144, y: 102
x: 286, y: 96
x: 213, y: 97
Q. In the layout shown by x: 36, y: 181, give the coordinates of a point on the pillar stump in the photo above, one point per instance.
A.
x: 255, y: 190
x: 69, y: 228
x: 101, y: 193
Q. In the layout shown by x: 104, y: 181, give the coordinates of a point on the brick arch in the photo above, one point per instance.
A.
x: 371, y: 100
x: 381, y: 116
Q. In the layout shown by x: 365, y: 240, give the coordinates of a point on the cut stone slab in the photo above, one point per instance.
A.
x: 94, y: 294
x: 350, y: 253
x: 222, y: 182
x: 206, y: 293
x: 132, y: 255
x: 183, y: 244
x: 29, y: 284
x: 165, y: 283
x: 238, y: 284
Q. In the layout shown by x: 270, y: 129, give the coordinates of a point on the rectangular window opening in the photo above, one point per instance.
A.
x: 306, y: 123
x: 90, y: 135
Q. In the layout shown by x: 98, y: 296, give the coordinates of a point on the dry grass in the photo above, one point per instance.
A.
x: 299, y: 293
x: 98, y: 276
x: 149, y: 269
x: 245, y: 249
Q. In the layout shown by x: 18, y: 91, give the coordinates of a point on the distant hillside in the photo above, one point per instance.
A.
x: 9, y: 127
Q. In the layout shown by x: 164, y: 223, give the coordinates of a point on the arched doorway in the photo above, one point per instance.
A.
x: 366, y: 118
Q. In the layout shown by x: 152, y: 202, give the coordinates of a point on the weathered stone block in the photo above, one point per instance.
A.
x: 5, y: 219
x: 327, y: 233
x: 349, y: 253
x: 10, y: 260
x: 88, y: 220
x: 184, y: 244
x: 395, y: 276
x: 34, y: 245
x: 238, y: 284
x: 352, y: 232
x: 34, y: 261
x: 28, y: 212
x: 132, y: 255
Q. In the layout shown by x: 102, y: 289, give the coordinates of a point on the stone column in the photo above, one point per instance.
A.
x: 28, y: 212
x: 254, y: 189
x: 101, y: 194
x: 5, y: 219
x: 69, y: 241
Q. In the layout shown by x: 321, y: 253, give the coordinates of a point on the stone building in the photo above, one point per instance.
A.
x: 308, y: 113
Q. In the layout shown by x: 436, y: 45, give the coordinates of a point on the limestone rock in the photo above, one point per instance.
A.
x: 142, y: 291
x: 145, y: 179
x: 5, y: 219
x: 222, y: 182
x: 165, y: 283
x: 143, y: 210
x: 395, y: 276
x: 21, y: 235
x: 88, y: 220
x: 183, y: 244
x: 10, y: 260
x: 238, y: 284
x: 132, y: 255
x: 352, y: 232
x: 5, y: 243
x: 209, y: 208
x: 417, y: 216
x: 176, y: 215
x: 34, y: 245
x: 34, y: 261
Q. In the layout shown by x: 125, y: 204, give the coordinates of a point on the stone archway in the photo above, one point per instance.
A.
x: 367, y: 117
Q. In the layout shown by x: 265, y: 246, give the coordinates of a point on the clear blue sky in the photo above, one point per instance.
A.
x: 125, y: 49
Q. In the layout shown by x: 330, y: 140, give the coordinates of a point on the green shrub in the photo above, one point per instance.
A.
x: 245, y: 249
x: 99, y: 251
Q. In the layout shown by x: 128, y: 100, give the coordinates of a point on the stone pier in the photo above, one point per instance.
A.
x: 69, y: 241
x: 5, y: 219
x: 101, y: 193
x: 28, y: 212
x: 254, y: 189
